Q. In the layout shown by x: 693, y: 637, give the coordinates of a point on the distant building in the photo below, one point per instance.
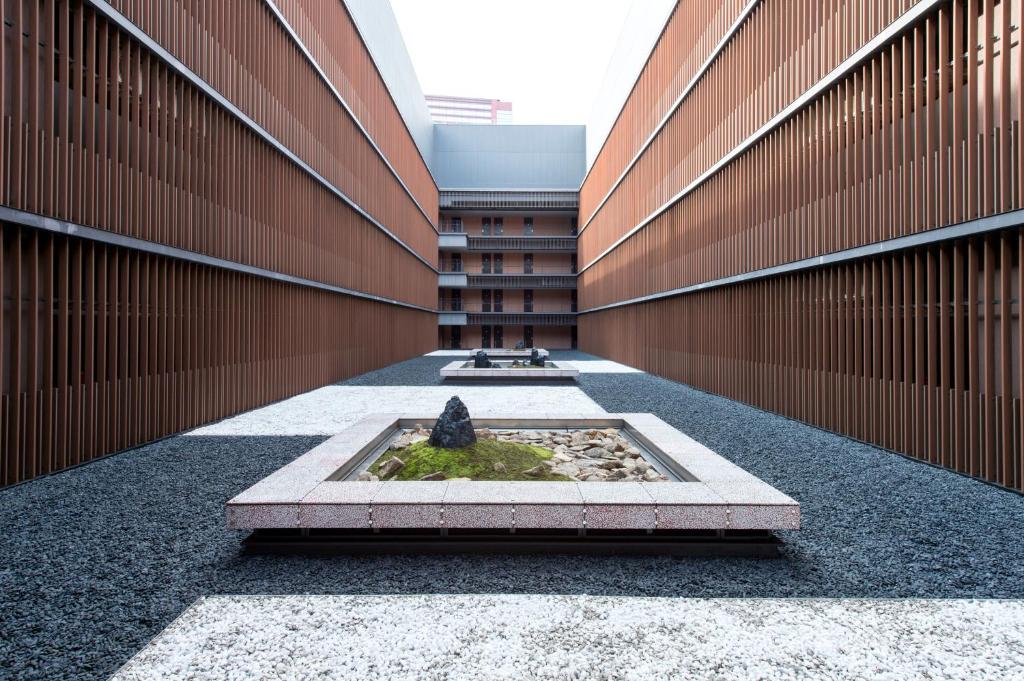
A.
x: 469, y: 110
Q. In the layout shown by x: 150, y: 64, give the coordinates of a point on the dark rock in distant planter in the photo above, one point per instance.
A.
x: 480, y: 360
x: 453, y: 428
x: 537, y: 359
x: 438, y: 475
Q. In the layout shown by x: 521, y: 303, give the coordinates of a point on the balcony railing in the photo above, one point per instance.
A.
x: 509, y: 200
x: 449, y: 266
x: 454, y: 305
x: 560, y: 281
x: 565, y: 244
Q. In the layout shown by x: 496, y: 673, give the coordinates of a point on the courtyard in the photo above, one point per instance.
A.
x: 96, y: 561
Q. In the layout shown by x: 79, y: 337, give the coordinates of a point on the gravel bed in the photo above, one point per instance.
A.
x: 97, y: 560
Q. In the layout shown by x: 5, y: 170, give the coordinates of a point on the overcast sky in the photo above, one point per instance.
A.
x: 547, y: 57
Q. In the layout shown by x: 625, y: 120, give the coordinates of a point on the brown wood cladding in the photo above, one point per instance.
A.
x: 119, y: 142
x: 776, y: 56
x: 229, y: 45
x: 105, y: 348
x: 917, y: 350
x: 330, y: 35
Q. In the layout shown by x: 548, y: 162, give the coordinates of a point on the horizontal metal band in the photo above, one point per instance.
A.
x: 48, y: 224
x: 803, y: 100
x: 138, y: 34
x: 961, y: 230
x: 341, y: 100
x: 697, y: 77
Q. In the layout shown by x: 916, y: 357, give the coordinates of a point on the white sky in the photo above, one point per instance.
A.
x: 547, y: 57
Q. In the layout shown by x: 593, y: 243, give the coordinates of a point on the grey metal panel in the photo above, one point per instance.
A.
x: 452, y: 281
x: 376, y: 23
x: 451, y: 319
x: 509, y: 156
x: 453, y: 242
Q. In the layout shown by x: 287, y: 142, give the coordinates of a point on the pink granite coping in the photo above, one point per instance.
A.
x: 709, y: 492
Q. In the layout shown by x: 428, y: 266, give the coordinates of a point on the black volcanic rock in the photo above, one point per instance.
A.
x: 453, y: 428
x: 537, y: 359
x: 480, y: 360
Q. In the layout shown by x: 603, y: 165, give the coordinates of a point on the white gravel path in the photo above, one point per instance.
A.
x: 327, y: 410
x: 584, y: 637
x: 598, y: 366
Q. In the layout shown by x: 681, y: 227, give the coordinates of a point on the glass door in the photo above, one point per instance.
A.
x: 497, y: 337
x: 485, y: 263
x: 485, y: 300
x: 498, y: 261
x: 485, y: 336
x: 497, y: 300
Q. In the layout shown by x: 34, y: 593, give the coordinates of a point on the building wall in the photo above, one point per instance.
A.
x: 509, y: 156
x: 547, y: 337
x: 828, y: 225
x: 198, y: 230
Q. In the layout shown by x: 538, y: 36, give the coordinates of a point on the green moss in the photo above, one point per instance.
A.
x: 476, y: 461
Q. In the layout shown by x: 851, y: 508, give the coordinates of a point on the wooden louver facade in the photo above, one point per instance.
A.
x: 196, y: 219
x: 816, y: 208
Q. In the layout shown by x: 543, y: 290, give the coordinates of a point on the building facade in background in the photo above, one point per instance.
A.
x: 817, y: 210
x: 469, y: 110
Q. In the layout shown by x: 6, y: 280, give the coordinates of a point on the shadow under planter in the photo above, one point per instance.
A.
x: 708, y: 506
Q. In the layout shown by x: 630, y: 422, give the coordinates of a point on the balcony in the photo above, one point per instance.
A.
x: 455, y: 266
x: 457, y: 313
x: 457, y: 305
x: 509, y: 200
x: 549, y: 244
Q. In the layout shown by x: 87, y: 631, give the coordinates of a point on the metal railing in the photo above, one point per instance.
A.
x: 458, y: 267
x: 456, y: 305
x: 523, y: 243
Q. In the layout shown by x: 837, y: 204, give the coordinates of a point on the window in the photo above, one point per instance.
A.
x: 456, y: 224
x: 574, y: 300
x: 528, y: 336
x: 499, y: 224
x: 498, y: 340
x: 527, y: 301
x: 528, y: 226
x: 573, y: 227
x: 485, y: 226
x: 527, y: 263
x: 573, y: 263
x: 497, y: 300
x: 485, y: 263
x: 485, y: 300
x: 499, y: 259
x: 485, y: 336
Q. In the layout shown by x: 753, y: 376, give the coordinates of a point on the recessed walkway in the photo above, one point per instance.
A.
x: 96, y: 561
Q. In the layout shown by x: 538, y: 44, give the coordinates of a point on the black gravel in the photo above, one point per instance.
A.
x: 95, y: 561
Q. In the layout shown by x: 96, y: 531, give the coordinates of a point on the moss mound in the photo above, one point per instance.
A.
x: 475, y: 462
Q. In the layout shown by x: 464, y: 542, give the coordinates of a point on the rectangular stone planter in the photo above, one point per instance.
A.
x: 705, y: 493
x: 461, y: 369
